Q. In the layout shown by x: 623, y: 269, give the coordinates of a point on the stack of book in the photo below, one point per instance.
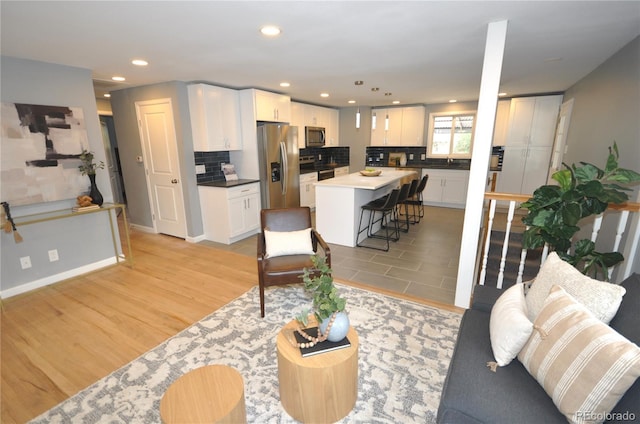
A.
x: 85, y: 208
x: 322, y: 347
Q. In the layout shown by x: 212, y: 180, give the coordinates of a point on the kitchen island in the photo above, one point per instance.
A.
x: 339, y: 199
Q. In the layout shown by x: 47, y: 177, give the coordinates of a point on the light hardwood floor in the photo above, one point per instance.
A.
x: 59, y: 339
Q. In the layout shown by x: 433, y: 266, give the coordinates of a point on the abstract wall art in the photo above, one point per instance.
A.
x: 40, y: 148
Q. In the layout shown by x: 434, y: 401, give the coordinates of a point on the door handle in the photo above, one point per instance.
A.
x: 174, y: 181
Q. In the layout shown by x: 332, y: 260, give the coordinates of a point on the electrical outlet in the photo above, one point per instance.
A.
x: 381, y: 155
x: 53, y: 255
x: 25, y: 262
x: 222, y: 164
x: 423, y: 156
x: 201, y: 169
x: 410, y: 156
x: 319, y: 156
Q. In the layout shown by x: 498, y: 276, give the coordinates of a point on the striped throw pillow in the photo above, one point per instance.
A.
x: 583, y: 364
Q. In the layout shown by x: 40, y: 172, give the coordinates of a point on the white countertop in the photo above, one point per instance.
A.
x: 356, y: 180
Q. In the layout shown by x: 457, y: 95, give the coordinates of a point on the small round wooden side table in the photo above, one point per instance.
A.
x: 322, y: 388
x: 210, y: 394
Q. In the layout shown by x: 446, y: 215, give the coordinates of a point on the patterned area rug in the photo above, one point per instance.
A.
x: 405, y: 349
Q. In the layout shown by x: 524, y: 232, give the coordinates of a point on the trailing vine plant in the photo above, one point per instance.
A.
x: 555, y: 211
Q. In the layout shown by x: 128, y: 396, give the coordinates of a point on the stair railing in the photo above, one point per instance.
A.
x: 629, y: 246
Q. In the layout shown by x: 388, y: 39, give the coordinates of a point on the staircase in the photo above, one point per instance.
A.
x: 512, y: 260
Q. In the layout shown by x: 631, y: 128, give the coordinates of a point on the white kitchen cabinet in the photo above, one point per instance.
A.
x: 524, y: 169
x: 501, y: 126
x: 532, y: 120
x: 446, y: 187
x: 230, y: 214
x: 272, y: 107
x: 386, y: 126
x: 412, y: 126
x: 340, y: 171
x: 297, y: 120
x: 532, y: 123
x: 308, y: 189
x: 332, y: 127
x: 215, y: 118
x: 397, y: 126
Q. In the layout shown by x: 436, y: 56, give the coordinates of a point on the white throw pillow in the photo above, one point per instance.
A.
x: 583, y: 364
x: 602, y: 299
x: 281, y: 243
x: 509, y: 326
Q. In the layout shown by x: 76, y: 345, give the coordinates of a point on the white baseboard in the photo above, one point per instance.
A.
x: 144, y: 229
x: 51, y: 279
x: 196, y: 239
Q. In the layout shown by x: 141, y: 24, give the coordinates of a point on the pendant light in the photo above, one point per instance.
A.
x: 358, y: 83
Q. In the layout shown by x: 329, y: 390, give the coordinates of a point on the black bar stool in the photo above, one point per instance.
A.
x: 417, y: 200
x: 387, y: 209
x: 402, y: 197
x: 413, y: 188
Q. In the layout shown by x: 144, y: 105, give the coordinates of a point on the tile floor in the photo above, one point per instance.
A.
x: 423, y: 263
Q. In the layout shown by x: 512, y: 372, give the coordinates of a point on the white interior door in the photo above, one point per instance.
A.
x: 162, y: 167
x: 560, y: 139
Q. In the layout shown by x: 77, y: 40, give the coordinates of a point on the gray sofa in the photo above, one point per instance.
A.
x: 472, y: 393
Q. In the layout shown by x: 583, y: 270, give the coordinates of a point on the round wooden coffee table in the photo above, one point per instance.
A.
x: 322, y: 388
x: 211, y: 394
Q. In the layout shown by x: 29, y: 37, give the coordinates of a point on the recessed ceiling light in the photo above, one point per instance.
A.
x: 396, y: 102
x: 452, y: 101
x: 351, y: 101
x: 324, y: 94
x: 270, y: 30
x: 374, y: 89
x: 139, y: 62
x: 107, y: 95
x: 502, y: 94
x: 285, y: 84
x: 116, y: 78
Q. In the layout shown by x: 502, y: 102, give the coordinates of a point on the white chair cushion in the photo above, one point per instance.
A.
x: 282, y: 243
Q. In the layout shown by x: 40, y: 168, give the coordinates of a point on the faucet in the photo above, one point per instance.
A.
x: 449, y: 161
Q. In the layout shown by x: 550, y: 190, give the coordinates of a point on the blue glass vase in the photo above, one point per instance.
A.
x: 339, y: 328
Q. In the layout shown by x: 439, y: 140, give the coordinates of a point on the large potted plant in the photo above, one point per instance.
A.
x: 555, y: 211
x: 328, y: 305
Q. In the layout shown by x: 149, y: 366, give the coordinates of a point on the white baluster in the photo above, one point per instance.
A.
x: 597, y: 223
x: 505, y: 244
x: 483, y: 269
x: 523, y: 257
x: 622, y: 224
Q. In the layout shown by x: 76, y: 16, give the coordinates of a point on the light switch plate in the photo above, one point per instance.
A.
x: 201, y: 169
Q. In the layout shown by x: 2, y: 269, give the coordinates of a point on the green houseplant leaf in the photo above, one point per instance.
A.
x: 555, y: 211
x: 319, y: 282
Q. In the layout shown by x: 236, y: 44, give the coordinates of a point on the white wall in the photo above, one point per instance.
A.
x: 607, y: 109
x: 84, y: 241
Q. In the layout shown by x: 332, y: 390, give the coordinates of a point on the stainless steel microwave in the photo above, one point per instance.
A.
x: 314, y: 136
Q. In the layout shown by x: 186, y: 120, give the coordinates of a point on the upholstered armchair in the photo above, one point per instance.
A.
x: 285, y: 246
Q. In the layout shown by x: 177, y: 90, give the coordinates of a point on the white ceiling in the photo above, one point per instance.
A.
x: 420, y: 51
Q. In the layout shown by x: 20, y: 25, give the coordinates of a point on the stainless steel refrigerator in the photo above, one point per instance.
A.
x: 279, y: 165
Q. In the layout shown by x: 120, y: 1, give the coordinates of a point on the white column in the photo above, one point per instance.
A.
x: 487, y: 104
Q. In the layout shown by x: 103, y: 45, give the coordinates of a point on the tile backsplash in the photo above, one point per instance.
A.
x: 212, y: 162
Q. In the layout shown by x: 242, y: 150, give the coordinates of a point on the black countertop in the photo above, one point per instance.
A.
x: 454, y: 167
x: 228, y: 184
